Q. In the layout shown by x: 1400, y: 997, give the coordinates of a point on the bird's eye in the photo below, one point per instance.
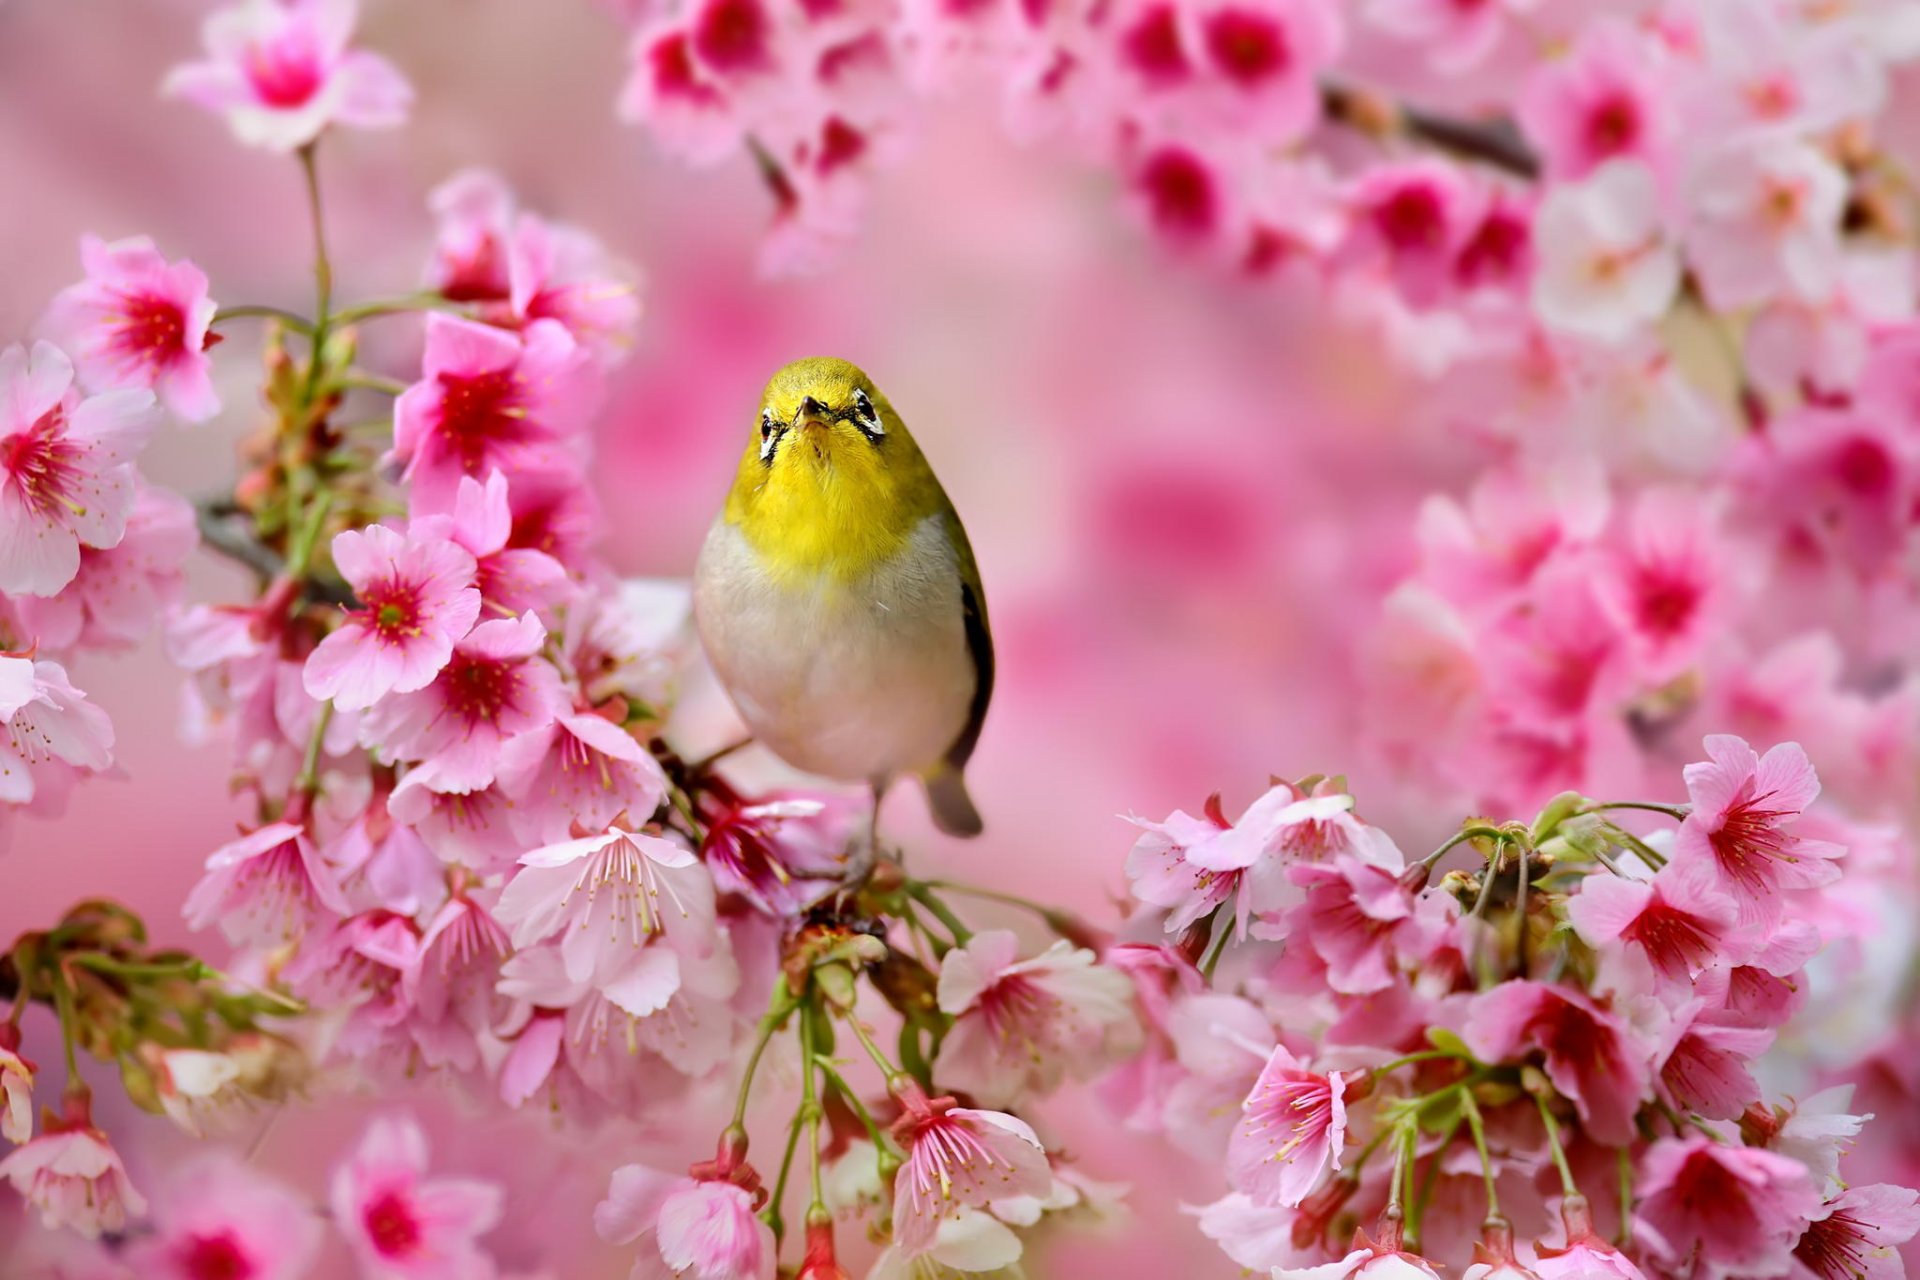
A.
x: 770, y: 434
x: 766, y: 423
x: 866, y: 416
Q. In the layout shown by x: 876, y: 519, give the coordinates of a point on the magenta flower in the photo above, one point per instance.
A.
x: 607, y: 895
x: 1730, y: 1209
x: 1705, y: 1064
x: 1592, y: 1057
x: 782, y: 852
x: 1161, y: 872
x: 218, y: 1218
x: 489, y: 400
x: 281, y: 72
x: 1857, y: 1235
x: 1291, y: 1129
x: 66, y: 467
x: 416, y: 600
x: 1678, y: 919
x: 138, y: 320
x: 958, y: 1158
x: 1663, y: 587
x: 512, y: 579
x: 401, y: 1223
x: 1021, y: 1025
x: 75, y: 1179
x: 1606, y: 101
x: 265, y: 889
x: 701, y: 1229
x: 1355, y: 919
x: 48, y: 723
x: 494, y: 686
x: 1742, y: 805
x: 579, y: 768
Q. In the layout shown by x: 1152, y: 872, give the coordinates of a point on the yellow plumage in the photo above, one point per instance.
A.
x: 838, y: 597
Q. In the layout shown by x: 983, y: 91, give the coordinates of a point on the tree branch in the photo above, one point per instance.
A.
x: 1494, y: 142
x: 226, y: 530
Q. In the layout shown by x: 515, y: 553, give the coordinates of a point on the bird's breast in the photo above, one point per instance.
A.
x: 847, y: 678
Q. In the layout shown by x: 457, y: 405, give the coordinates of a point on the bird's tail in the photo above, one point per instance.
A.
x: 953, y: 810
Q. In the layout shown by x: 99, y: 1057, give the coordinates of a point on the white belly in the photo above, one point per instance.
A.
x: 853, y: 681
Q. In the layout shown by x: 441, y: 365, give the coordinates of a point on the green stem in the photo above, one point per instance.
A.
x: 1678, y: 812
x: 921, y: 894
x: 298, y: 323
x: 810, y: 1106
x: 1058, y: 921
x: 1472, y: 1112
x: 406, y: 305
x: 322, y: 268
x: 63, y: 1007
x: 101, y: 963
x: 1212, y: 961
x: 775, y: 1017
x: 771, y: 1214
x: 1625, y: 1230
x: 1648, y: 854
x: 307, y: 783
x: 307, y: 536
x: 1520, y: 910
x: 361, y: 380
x: 887, y: 1070
x: 1424, y: 1196
x: 838, y: 1081
x: 1425, y: 1055
x: 1567, y: 1184
x: 1466, y: 834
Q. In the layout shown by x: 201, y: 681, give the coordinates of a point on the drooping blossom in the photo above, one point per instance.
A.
x: 1384, y: 1260
x: 1023, y: 1026
x: 704, y: 1229
x: 1677, y: 919
x: 281, y: 71
x: 781, y: 852
x: 416, y: 600
x: 1857, y: 1235
x: 1585, y: 1254
x: 1736, y: 1209
x: 606, y: 896
x: 66, y: 467
x: 1290, y: 1132
x: 119, y: 591
x: 1743, y: 805
x: 400, y: 1222
x: 958, y: 1158
x: 48, y: 723
x: 489, y: 400
x: 75, y: 1179
x: 1594, y: 1059
x: 216, y: 1219
x: 138, y: 320
x: 266, y: 888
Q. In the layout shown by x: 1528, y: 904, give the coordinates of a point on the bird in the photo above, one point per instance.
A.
x: 838, y: 599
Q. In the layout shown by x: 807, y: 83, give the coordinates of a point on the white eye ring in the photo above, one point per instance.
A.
x: 768, y: 436
x: 869, y: 416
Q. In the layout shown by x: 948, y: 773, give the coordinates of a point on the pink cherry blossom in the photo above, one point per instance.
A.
x: 138, y: 320
x: 66, y: 467
x: 579, y: 768
x: 1603, y: 101
x: 1593, y: 1058
x: 281, y: 71
x: 1355, y: 919
x: 694, y: 117
x: 1290, y: 1132
x: 1663, y: 588
x: 1704, y: 1066
x: 782, y: 852
x: 511, y: 579
x: 266, y: 888
x: 16, y: 1089
x: 1413, y: 220
x: 1837, y: 481
x: 959, y: 1158
x: 1737, y: 1210
x: 1767, y: 222
x: 493, y: 687
x: 118, y: 592
x: 489, y: 400
x: 1383, y: 1261
x: 218, y: 1218
x: 705, y: 1229
x: 1160, y: 871
x: 1607, y: 268
x: 75, y: 1179
x: 49, y: 723
x: 606, y: 895
x: 1585, y: 1255
x: 1743, y: 804
x: 1023, y: 1026
x: 402, y: 1223
x: 1454, y: 37
x: 417, y: 600
x: 1857, y: 1234
x: 1678, y: 919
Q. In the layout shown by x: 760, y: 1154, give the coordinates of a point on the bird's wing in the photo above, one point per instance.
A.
x: 973, y: 609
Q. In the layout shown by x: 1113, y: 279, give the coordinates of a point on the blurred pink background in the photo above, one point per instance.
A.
x: 1177, y: 544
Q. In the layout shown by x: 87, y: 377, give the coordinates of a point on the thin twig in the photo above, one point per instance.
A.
x: 1495, y: 142
x: 226, y: 531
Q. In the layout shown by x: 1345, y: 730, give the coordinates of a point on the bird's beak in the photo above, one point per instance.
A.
x: 812, y: 414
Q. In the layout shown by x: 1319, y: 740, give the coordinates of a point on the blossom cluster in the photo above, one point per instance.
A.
x: 1543, y: 1063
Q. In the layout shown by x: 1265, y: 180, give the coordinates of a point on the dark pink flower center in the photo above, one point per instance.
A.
x: 1153, y: 47
x: 1749, y: 839
x: 1666, y: 601
x: 674, y: 75
x: 731, y: 35
x: 479, y: 689
x: 1676, y: 941
x: 150, y: 328
x: 479, y: 275
x: 214, y: 1257
x: 1613, y: 125
x: 1248, y: 47
x: 392, y: 610
x: 1180, y: 193
x: 1836, y: 1248
x: 840, y: 145
x: 479, y: 411
x: 1863, y: 466
x: 1496, y: 250
x: 285, y: 73
x: 45, y: 466
x: 1412, y: 218
x: 391, y: 1226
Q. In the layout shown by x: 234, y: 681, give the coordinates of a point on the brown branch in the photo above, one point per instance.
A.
x: 226, y: 530
x: 1494, y: 142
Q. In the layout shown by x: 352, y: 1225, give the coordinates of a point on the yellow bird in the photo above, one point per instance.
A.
x: 838, y: 599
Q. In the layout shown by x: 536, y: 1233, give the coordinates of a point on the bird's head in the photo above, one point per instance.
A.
x: 830, y: 477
